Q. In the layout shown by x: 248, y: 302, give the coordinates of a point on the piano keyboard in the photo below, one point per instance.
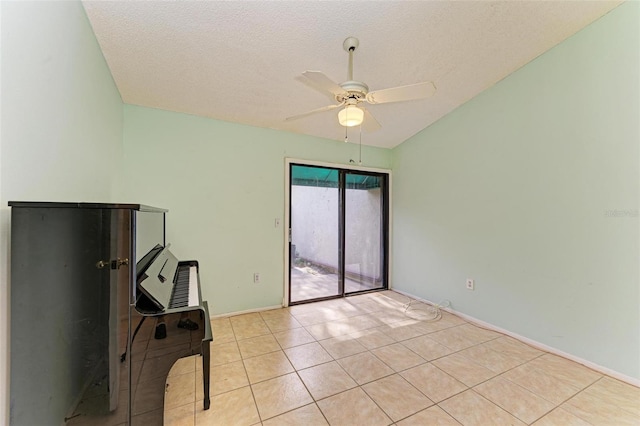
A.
x: 185, y: 289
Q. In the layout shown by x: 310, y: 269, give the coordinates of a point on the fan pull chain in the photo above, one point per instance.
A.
x: 360, y: 154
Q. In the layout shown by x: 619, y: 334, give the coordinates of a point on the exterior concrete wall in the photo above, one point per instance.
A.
x: 314, y: 228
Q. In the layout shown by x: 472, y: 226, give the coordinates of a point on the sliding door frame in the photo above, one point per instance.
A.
x: 287, y: 216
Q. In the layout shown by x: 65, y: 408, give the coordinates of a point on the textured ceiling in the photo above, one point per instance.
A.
x: 241, y: 61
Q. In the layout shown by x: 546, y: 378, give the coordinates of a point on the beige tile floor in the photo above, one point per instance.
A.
x: 364, y: 361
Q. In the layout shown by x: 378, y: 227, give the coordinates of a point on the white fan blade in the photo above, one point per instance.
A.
x: 369, y: 123
x: 323, y: 82
x: 402, y: 93
x: 323, y: 109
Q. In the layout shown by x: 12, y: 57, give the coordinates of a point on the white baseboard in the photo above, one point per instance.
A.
x: 604, y: 370
x: 248, y: 311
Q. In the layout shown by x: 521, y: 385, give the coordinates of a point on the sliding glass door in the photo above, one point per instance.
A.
x: 364, y: 232
x: 338, y: 232
x: 315, y: 258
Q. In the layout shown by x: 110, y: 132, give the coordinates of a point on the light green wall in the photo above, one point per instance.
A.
x: 518, y: 190
x: 223, y: 184
x: 61, y: 134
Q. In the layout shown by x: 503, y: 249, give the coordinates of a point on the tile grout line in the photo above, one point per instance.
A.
x: 244, y: 367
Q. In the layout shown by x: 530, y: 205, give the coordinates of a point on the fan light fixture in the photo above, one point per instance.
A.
x: 351, y: 116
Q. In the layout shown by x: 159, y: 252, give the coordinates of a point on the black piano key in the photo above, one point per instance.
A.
x: 180, y: 292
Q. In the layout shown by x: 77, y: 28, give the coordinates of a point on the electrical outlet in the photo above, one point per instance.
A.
x: 470, y: 284
x: 256, y: 277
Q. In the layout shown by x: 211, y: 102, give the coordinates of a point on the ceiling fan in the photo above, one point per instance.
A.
x: 351, y: 94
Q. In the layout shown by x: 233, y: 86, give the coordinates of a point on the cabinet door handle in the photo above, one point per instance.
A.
x: 102, y: 263
x: 115, y: 264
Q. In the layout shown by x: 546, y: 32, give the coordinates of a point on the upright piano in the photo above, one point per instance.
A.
x: 89, y: 284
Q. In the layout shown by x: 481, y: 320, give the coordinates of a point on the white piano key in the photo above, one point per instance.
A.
x: 194, y: 300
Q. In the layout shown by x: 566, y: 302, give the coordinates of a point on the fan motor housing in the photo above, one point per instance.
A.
x: 354, y: 89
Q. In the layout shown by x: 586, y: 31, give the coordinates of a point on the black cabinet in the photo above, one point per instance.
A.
x: 73, y: 269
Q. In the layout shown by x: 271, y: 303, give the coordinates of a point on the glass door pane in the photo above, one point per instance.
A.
x: 314, y: 220
x: 365, y: 232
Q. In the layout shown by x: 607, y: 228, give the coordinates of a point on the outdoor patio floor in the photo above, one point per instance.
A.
x: 308, y: 286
